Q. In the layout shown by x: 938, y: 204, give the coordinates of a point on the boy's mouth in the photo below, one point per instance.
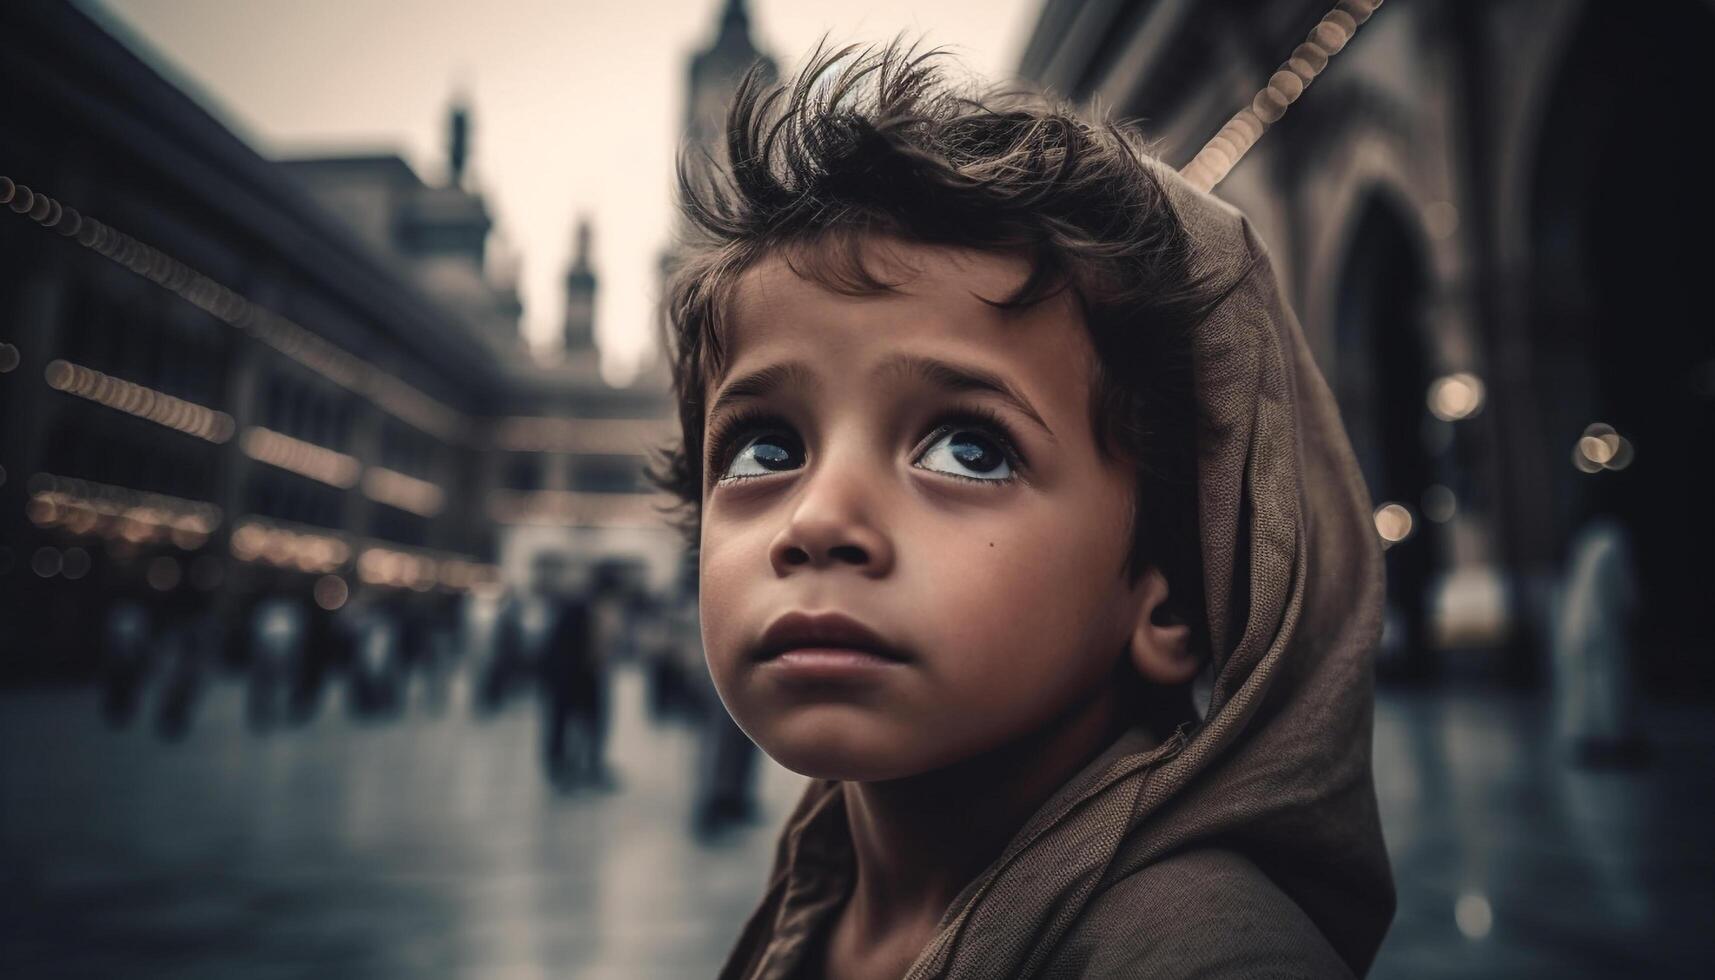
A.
x: 827, y: 631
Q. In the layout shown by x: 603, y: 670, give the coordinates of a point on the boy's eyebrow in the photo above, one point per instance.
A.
x: 761, y: 383
x: 942, y: 374
x: 962, y: 378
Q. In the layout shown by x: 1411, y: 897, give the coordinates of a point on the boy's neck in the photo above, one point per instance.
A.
x: 918, y: 841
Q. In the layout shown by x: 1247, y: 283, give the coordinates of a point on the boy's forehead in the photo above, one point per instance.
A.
x: 941, y: 297
x: 913, y: 268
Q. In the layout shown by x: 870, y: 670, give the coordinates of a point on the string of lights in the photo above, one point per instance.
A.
x: 139, y: 400
x: 336, y: 469
x: 408, y: 493
x: 276, y: 543
x: 389, y: 393
x: 319, y: 550
x: 137, y: 516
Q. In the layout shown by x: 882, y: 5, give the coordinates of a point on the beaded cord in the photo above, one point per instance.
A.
x: 1228, y: 147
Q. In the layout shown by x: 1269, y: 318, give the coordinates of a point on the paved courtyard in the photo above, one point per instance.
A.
x: 425, y: 847
x: 431, y: 847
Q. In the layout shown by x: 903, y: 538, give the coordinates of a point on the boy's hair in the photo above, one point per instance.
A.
x: 874, y: 142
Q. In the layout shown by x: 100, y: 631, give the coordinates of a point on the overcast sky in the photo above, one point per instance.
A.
x: 576, y: 105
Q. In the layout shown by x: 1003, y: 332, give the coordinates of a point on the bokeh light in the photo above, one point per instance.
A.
x: 75, y: 564
x: 1394, y: 523
x: 1473, y: 915
x: 1456, y: 396
x: 331, y: 592
x: 46, y: 562
x: 1601, y: 448
x: 163, y: 574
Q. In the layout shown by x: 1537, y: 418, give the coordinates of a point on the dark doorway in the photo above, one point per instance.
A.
x: 1381, y: 374
x: 1623, y: 329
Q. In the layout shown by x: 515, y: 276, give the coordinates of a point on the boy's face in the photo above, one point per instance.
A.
x: 878, y: 475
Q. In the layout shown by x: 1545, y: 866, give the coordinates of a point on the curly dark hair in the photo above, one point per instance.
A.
x: 868, y: 141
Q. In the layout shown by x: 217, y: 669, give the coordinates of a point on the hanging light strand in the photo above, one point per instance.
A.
x: 1218, y: 157
x: 387, y: 392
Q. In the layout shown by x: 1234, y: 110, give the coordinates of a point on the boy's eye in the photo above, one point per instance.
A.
x: 765, y: 453
x: 967, y: 453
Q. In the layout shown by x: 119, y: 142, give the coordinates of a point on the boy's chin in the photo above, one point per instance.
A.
x: 845, y: 770
x: 845, y: 754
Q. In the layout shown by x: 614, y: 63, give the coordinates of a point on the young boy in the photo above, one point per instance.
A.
x: 996, y: 435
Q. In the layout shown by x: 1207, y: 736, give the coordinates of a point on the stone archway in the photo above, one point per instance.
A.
x: 1623, y: 314
x: 1381, y: 369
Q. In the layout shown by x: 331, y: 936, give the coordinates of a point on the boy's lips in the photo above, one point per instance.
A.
x: 827, y: 631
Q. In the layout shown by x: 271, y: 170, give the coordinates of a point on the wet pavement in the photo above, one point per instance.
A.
x: 1511, y: 862
x: 431, y: 847
x: 425, y: 847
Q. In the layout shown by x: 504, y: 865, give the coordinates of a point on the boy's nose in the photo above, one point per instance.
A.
x: 830, y: 527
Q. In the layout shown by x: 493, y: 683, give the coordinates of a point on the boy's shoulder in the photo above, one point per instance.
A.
x: 1204, y: 912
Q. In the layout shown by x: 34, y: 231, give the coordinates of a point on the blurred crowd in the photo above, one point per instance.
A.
x: 552, y: 641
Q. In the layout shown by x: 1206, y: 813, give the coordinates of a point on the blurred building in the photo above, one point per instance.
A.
x: 1493, y: 218
x: 713, y: 76
x: 712, y: 79
x: 371, y: 420
x: 565, y: 451
x: 438, y: 234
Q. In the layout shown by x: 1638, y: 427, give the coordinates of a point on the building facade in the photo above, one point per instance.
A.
x: 711, y: 80
x: 563, y: 452
x: 1492, y: 220
x: 264, y: 380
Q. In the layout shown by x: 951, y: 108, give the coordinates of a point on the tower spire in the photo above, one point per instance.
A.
x: 578, y: 332
x: 458, y: 138
x: 581, y: 247
x: 735, y: 16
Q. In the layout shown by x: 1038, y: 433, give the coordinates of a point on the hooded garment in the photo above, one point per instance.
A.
x: 1249, y: 844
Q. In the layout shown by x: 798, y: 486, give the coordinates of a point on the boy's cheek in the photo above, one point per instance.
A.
x: 734, y: 579
x: 727, y: 545
x: 718, y: 591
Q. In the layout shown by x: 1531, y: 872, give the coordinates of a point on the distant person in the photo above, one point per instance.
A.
x: 376, y: 672
x: 432, y: 645
x: 605, y: 632
x: 521, y: 627
x: 552, y: 627
x: 668, y: 695
x: 1593, y: 697
x: 997, y: 433
x: 186, y: 648
x: 125, y: 660
x: 323, y: 649
x: 277, y: 640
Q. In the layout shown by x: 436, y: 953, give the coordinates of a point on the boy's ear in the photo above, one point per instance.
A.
x: 1160, y: 645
